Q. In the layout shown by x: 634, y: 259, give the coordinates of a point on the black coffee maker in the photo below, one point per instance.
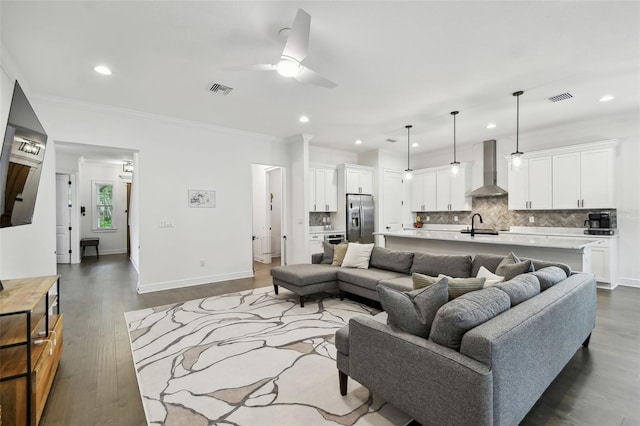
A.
x: 598, y: 224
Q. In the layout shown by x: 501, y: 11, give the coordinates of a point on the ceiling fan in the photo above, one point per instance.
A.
x: 294, y: 52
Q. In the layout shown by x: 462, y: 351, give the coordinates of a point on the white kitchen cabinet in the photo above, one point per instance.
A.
x: 437, y: 189
x: 359, y: 181
x: 323, y: 188
x: 451, y: 190
x: 530, y: 184
x: 423, y: 192
x: 583, y: 179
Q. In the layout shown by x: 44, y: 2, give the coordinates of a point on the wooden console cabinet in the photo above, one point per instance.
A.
x: 30, y: 347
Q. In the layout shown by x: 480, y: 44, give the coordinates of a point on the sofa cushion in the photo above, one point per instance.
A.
x: 549, y: 276
x: 457, y: 286
x: 304, y: 274
x: 367, y: 278
x: 391, y: 260
x: 457, y: 317
x: 338, y: 254
x: 491, y: 279
x: 489, y: 261
x: 453, y: 265
x: 540, y: 264
x: 327, y: 257
x: 357, y: 256
x: 413, y: 311
x: 511, y: 266
x: 520, y: 288
x: 404, y: 283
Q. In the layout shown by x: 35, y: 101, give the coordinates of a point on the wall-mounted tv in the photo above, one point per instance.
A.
x: 20, y: 162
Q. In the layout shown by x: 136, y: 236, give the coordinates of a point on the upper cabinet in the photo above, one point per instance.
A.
x: 423, y: 194
x: 358, y: 179
x: 437, y: 189
x: 530, y: 184
x: 323, y: 187
x: 583, y: 179
x: 571, y: 177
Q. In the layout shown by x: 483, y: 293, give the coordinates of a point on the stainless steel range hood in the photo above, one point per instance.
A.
x: 490, y: 188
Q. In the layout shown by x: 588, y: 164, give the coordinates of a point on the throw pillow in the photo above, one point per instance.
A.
x: 460, y: 286
x: 491, y: 278
x: 549, y: 276
x: 512, y: 266
x: 338, y: 254
x: 457, y: 317
x: 327, y: 257
x: 422, y: 281
x: 520, y: 288
x: 457, y: 286
x: 413, y: 312
x: 357, y: 256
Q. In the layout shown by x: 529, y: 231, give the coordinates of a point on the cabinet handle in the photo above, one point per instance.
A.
x: 326, y: 207
x: 314, y: 207
x: 578, y: 203
x: 582, y: 203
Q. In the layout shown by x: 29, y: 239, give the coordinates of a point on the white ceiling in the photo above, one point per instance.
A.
x: 395, y: 62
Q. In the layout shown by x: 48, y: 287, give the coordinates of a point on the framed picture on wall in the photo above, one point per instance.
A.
x: 201, y: 198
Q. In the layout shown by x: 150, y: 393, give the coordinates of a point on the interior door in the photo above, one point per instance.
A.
x: 63, y: 218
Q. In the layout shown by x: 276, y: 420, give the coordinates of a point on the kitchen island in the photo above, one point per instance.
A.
x: 575, y: 252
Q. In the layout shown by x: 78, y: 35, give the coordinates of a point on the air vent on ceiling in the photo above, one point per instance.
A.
x: 561, y: 97
x: 391, y: 140
x: 220, y: 89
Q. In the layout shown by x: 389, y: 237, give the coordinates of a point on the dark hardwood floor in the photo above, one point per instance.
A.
x: 96, y: 383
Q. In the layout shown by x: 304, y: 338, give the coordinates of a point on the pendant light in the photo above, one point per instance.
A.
x: 407, y: 173
x: 516, y: 157
x: 455, y: 165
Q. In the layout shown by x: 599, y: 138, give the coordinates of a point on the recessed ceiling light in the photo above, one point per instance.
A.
x: 415, y: 144
x: 303, y: 119
x: 102, y: 69
x: 491, y: 126
x: 358, y: 142
x: 606, y: 98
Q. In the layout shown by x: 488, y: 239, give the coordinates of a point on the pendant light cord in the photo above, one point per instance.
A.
x: 517, y: 95
x: 454, y: 113
x: 408, y: 126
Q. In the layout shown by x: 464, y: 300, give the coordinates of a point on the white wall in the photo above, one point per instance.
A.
x: 262, y: 244
x: 331, y: 156
x: 298, y: 238
x: 173, y: 156
x: 30, y: 250
x: 112, y: 241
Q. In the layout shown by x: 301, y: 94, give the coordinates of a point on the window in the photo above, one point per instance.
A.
x: 104, y: 205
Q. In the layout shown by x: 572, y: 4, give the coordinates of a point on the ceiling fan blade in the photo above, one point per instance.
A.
x: 298, y: 40
x: 252, y: 67
x: 311, y: 77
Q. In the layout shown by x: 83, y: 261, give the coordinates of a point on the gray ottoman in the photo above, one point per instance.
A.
x: 305, y: 279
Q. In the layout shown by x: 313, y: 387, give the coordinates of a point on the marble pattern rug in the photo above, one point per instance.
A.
x: 249, y: 358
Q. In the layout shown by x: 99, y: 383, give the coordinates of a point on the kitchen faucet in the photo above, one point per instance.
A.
x: 473, y: 229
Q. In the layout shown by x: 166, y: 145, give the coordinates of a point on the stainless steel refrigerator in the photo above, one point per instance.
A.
x: 360, y: 218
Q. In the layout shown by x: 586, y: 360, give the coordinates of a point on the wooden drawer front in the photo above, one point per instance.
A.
x: 46, y: 367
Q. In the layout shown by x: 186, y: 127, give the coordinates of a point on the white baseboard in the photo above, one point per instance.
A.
x: 629, y: 282
x: 168, y: 285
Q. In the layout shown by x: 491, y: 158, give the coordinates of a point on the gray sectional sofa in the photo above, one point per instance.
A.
x: 497, y: 368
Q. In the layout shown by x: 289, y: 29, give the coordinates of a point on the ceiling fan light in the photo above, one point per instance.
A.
x: 288, y: 67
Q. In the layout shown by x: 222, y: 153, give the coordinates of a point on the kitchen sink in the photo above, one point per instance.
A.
x: 480, y: 231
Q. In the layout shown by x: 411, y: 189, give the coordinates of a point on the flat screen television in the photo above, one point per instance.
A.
x: 21, y: 160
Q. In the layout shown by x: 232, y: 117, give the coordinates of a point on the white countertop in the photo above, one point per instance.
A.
x: 504, y: 238
x: 321, y: 230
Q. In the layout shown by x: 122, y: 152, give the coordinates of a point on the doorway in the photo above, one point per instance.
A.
x: 268, y: 217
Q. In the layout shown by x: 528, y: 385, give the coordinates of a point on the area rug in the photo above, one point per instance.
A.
x: 249, y: 358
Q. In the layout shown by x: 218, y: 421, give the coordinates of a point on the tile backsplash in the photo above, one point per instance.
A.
x: 315, y: 218
x: 496, y: 214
